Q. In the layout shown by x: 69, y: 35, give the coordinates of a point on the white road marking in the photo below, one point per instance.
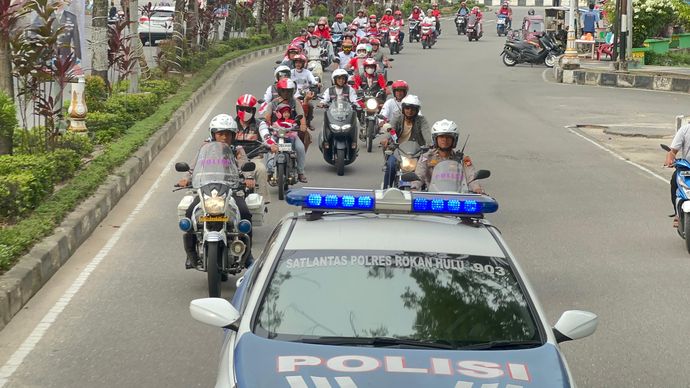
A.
x: 17, y: 358
x: 617, y: 156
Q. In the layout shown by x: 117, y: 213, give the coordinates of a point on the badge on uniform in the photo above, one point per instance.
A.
x: 468, y: 161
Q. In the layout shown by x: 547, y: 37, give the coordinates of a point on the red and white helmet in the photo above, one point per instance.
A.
x: 246, y: 107
x: 370, y: 66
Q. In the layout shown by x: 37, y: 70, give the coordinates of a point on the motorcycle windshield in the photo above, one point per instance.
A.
x: 215, y: 163
x: 448, y: 176
x: 340, y: 110
x: 472, y: 20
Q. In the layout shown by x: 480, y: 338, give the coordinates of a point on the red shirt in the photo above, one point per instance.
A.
x: 386, y: 19
x: 436, y: 13
x: 399, y: 23
x: 359, y: 80
x: 323, y: 34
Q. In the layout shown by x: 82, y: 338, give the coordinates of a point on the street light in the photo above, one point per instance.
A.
x: 570, y: 59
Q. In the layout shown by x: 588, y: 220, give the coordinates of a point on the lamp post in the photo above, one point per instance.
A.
x: 570, y: 59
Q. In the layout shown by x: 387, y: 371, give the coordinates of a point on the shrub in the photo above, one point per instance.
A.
x: 320, y: 10
x: 95, y: 93
x: 18, y: 193
x: 29, y: 141
x: 75, y: 142
x: 8, y: 118
x: 135, y: 105
x: 260, y: 39
x: 107, y: 126
x: 66, y: 163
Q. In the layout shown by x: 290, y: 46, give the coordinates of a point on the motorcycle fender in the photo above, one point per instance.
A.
x: 340, y: 145
x: 685, y: 206
x: 213, y: 236
x: 281, y: 158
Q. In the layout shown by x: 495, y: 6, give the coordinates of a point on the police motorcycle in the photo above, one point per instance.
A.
x: 461, y: 23
x: 414, y: 30
x: 283, y: 163
x: 223, y: 241
x: 523, y: 51
x: 337, y: 140
x: 682, y: 205
x: 407, y: 155
x: 501, y: 25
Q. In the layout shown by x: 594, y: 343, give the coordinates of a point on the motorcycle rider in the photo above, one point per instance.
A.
x: 248, y: 130
x: 392, y: 108
x: 410, y: 126
x: 361, y: 20
x: 304, y: 79
x: 341, y: 91
x: 680, y: 144
x: 478, y: 13
x: 399, y: 22
x: 338, y: 26
x: 358, y: 30
x: 286, y: 96
x: 379, y: 56
x: 323, y: 33
x: 371, y: 81
x: 417, y: 14
x: 506, y: 11
x: 311, y: 28
x: 292, y: 51
x: 346, y: 55
x: 355, y: 62
x: 463, y: 10
x: 445, y: 135
x: 373, y: 28
x: 435, y: 12
x: 387, y: 17
x: 271, y: 93
x: 431, y: 20
x: 223, y: 128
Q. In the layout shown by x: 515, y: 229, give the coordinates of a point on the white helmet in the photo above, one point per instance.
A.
x: 281, y: 69
x: 363, y: 47
x: 222, y: 122
x: 445, y: 127
x: 413, y: 101
x: 338, y: 73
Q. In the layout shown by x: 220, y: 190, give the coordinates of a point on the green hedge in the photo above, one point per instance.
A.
x: 17, y: 239
x: 107, y: 127
x: 95, y: 93
x: 8, y: 116
x: 160, y: 87
x: 134, y: 105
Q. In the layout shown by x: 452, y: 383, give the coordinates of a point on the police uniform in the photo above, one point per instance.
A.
x: 427, y: 162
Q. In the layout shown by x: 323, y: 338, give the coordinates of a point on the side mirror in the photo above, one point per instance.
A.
x: 350, y: 82
x: 279, y: 62
x: 260, y: 101
x: 575, y: 324
x: 481, y: 174
x: 298, y: 117
x: 216, y: 312
x: 181, y: 167
x: 249, y: 167
x: 389, y: 83
x: 410, y: 177
x: 665, y: 147
x: 391, y: 59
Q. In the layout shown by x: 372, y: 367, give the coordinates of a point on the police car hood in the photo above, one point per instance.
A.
x: 261, y: 362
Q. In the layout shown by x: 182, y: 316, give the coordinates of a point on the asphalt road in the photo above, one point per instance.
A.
x: 590, y: 230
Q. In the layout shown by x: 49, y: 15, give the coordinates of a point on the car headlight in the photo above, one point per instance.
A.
x: 408, y: 164
x: 214, y: 204
x: 372, y: 104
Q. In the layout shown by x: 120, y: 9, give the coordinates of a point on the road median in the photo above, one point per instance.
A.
x: 662, y: 79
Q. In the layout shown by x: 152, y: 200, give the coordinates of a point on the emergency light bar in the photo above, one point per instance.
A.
x: 392, y: 201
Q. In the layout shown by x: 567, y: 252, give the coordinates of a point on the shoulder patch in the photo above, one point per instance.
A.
x: 467, y: 160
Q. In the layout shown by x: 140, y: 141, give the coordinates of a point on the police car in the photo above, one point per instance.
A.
x: 373, y: 288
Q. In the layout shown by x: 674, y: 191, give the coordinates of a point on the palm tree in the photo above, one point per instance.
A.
x: 99, y: 39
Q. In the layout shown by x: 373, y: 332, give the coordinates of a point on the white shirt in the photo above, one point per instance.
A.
x: 681, y: 142
x: 391, y: 109
x: 338, y: 28
x: 345, y: 58
x: 430, y: 20
x: 361, y: 22
x: 302, y: 78
x: 326, y: 97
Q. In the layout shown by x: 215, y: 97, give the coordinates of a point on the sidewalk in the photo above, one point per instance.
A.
x: 601, y: 73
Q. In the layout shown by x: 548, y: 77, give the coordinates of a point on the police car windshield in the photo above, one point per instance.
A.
x: 436, y: 297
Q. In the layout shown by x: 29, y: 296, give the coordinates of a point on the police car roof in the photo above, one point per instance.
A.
x: 428, y: 233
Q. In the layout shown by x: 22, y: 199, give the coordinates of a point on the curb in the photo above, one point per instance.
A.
x: 35, y: 268
x: 667, y: 82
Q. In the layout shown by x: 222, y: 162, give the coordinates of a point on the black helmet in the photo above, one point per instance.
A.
x: 531, y: 11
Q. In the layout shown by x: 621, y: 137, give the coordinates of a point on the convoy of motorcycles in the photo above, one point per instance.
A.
x: 223, y: 237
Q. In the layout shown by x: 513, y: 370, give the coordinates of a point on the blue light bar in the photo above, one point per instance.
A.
x: 459, y: 204
x: 332, y: 199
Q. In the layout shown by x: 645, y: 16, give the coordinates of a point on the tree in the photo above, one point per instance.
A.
x: 10, y: 12
x: 99, y: 40
x: 178, y: 31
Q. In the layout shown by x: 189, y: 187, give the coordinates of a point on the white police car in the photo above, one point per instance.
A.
x: 388, y: 289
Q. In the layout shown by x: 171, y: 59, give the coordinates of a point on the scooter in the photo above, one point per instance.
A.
x: 682, y: 205
x: 414, y: 31
x: 428, y: 36
x: 370, y: 116
x: 461, y: 23
x: 394, y: 42
x: 383, y: 32
x: 338, y: 140
x: 407, y: 155
x: 501, y: 28
x: 337, y: 41
x: 474, y: 29
x: 283, y: 164
x: 522, y: 51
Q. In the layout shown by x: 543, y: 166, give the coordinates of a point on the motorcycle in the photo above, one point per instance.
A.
x: 383, y: 32
x: 682, y: 204
x: 414, y: 31
x: 461, y: 24
x: 407, y: 155
x: 369, y: 116
x: 521, y: 51
x: 428, y: 36
x: 394, y: 42
x: 337, y: 41
x: 223, y: 241
x: 474, y: 29
x: 336, y: 139
x: 501, y: 28
x: 284, y: 162
x: 449, y: 177
x: 255, y: 201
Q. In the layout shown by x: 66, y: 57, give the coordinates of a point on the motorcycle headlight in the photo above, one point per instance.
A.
x: 335, y: 127
x: 214, y: 204
x: 407, y: 164
x: 346, y: 127
x: 372, y: 104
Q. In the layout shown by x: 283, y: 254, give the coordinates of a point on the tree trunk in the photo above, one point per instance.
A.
x: 6, y: 80
x: 192, y: 24
x: 135, y: 42
x: 178, y: 31
x: 259, y: 15
x: 99, y: 40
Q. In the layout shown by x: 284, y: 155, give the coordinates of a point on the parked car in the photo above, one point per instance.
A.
x: 156, y: 26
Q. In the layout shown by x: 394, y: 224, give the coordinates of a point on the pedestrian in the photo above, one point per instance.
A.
x: 590, y: 21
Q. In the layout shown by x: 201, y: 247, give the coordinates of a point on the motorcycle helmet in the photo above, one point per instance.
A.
x: 375, y: 42
x: 398, y: 13
x: 364, y: 40
x: 416, y: 7
x: 286, y: 88
x: 411, y: 101
x: 354, y: 26
x: 293, y: 49
x: 445, y: 127
x: 434, y: 5
x: 428, y: 12
x: 283, y: 113
x: 361, y: 11
x: 281, y: 71
x: 361, y: 50
x: 339, y: 73
x: 314, y: 41
x: 347, y: 47
x: 220, y: 123
x: 370, y: 66
x: 300, y: 58
x: 372, y: 17
x: 531, y: 11
x: 475, y: 9
x: 311, y: 25
x: 400, y: 85
x: 246, y: 107
x: 369, y: 48
x: 339, y: 17
x: 388, y: 11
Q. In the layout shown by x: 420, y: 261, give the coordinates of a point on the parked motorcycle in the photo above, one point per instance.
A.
x: 461, y: 23
x: 522, y: 51
x: 414, y: 31
x: 501, y: 28
x: 394, y: 42
x: 338, y: 140
x: 283, y: 163
x: 682, y: 205
x: 223, y: 241
x: 473, y: 30
x: 428, y: 36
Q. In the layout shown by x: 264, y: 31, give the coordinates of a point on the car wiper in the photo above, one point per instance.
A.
x: 503, y: 344
x: 377, y: 342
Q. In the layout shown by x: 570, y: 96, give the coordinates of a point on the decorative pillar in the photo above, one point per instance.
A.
x: 77, y: 107
x: 570, y: 60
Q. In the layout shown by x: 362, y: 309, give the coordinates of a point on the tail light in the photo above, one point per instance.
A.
x: 143, y: 19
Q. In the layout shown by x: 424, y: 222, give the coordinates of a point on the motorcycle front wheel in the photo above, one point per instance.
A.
x: 370, y: 135
x: 213, y: 268
x: 281, y: 181
x: 392, y: 48
x: 508, y: 61
x: 340, y: 162
x: 550, y: 60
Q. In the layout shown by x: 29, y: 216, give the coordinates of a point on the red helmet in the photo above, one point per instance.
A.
x: 369, y: 62
x: 363, y: 40
x: 397, y: 12
x: 400, y: 85
x: 245, y: 107
x: 372, y: 16
x: 375, y: 41
x: 294, y: 47
x: 300, y: 57
x: 339, y: 16
x: 285, y: 83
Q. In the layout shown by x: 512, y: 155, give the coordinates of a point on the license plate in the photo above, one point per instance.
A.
x: 285, y: 147
x: 501, y: 21
x: 684, y: 173
x: 213, y: 218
